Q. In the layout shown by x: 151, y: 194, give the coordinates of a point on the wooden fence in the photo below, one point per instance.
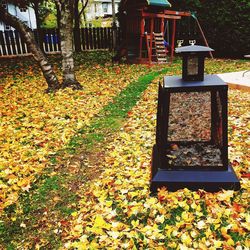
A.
x: 11, y: 43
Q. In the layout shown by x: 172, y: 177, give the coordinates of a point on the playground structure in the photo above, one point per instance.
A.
x: 150, y: 30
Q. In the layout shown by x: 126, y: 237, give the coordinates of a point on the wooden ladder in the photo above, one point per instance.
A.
x: 160, y: 49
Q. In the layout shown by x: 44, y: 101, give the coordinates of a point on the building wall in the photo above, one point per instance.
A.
x: 99, y: 8
x: 26, y: 15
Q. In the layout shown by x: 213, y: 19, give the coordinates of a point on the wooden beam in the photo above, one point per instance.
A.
x: 152, y: 15
x: 178, y: 13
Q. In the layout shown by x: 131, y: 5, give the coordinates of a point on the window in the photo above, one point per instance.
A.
x: 7, y: 27
x: 23, y: 9
x: 105, y: 7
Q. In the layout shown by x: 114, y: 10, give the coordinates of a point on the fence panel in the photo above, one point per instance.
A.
x: 83, y: 39
x: 50, y: 41
x: 11, y: 43
x: 18, y: 43
x: 2, y: 44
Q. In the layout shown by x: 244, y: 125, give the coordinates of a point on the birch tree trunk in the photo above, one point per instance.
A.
x: 66, y: 34
x: 33, y: 47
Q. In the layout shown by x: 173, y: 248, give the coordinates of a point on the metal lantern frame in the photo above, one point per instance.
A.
x: 209, y: 178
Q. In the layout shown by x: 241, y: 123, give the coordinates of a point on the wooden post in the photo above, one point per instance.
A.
x: 151, y: 39
x: 162, y: 26
x: 142, y: 30
x: 83, y: 41
x: 173, y: 40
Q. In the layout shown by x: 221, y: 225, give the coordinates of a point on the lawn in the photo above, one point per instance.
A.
x: 75, y: 165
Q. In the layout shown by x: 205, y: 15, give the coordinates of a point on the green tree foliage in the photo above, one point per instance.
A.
x: 225, y: 23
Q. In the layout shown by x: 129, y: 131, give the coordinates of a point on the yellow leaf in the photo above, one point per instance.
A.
x: 74, y: 214
x: 78, y: 229
x: 185, y: 216
x: 99, y: 225
x: 225, y: 195
x: 171, y: 156
x: 12, y: 198
x: 201, y: 224
x: 114, y: 235
x: 80, y: 245
x: 217, y: 243
x: 159, y: 219
x: 224, y: 233
x: 230, y: 242
x: 109, y: 203
x: 135, y: 223
x: 186, y: 239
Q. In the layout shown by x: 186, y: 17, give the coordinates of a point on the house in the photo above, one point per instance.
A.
x: 98, y: 8
x: 27, y: 15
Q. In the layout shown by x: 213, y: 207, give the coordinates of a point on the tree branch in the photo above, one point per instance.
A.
x: 58, y: 4
x: 84, y: 6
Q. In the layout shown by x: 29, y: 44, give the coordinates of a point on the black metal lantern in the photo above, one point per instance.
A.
x: 193, y: 62
x: 191, y: 149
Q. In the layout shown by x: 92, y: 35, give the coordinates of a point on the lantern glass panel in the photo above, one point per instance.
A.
x: 190, y: 116
x: 192, y: 65
x: 189, y: 131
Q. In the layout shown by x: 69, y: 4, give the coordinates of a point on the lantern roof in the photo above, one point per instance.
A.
x: 193, y: 48
x: 161, y: 3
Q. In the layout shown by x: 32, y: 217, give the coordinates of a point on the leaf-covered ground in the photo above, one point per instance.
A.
x: 114, y: 209
x: 118, y: 212
x: 34, y: 125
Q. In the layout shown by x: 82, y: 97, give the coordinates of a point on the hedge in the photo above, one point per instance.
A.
x: 226, y: 24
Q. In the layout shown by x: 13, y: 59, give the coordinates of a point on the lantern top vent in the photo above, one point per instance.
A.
x: 193, y: 48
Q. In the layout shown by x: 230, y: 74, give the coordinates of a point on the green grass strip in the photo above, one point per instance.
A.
x: 112, y: 115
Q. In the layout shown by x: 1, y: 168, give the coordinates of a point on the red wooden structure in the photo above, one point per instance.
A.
x: 145, y: 23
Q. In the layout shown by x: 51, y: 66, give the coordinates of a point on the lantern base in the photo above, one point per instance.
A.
x: 209, y: 180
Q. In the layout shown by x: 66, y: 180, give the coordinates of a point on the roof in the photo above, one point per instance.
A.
x: 161, y: 3
x: 193, y: 48
x: 136, y: 4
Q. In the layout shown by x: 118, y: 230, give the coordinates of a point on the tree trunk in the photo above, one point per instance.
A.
x: 29, y: 39
x: 66, y: 32
x: 58, y: 16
